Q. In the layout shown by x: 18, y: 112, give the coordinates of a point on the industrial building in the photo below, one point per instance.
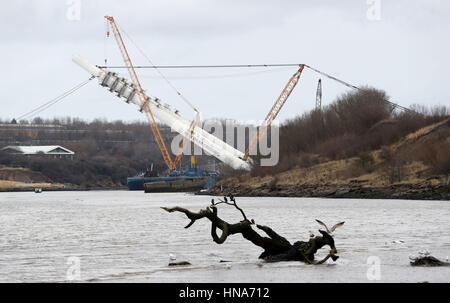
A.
x: 50, y: 151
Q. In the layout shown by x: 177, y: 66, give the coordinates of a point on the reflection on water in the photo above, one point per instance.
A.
x: 122, y: 236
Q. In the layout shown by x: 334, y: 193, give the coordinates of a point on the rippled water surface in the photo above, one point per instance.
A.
x: 123, y: 236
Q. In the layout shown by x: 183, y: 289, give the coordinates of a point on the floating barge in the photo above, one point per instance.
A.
x: 190, y: 180
x: 172, y: 183
x: 178, y: 185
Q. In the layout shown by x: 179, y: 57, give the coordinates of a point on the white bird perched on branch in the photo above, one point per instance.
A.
x: 424, y: 252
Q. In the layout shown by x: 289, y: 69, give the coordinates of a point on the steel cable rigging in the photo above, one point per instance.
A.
x: 53, y: 101
x: 396, y: 105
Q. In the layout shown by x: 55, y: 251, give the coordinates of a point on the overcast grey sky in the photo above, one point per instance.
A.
x: 405, y: 53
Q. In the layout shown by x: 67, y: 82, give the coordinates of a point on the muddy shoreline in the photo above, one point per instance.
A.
x: 403, y: 191
x: 27, y: 189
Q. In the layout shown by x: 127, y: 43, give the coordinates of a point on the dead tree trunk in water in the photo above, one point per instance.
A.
x: 276, y: 247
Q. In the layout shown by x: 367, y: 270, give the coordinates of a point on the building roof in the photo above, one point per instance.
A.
x: 46, y: 149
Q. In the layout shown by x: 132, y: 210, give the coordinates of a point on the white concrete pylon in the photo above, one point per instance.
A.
x: 208, y: 142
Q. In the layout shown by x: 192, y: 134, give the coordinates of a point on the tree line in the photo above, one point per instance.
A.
x: 352, y: 125
x: 106, y: 152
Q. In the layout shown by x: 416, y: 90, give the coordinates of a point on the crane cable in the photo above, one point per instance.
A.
x: 396, y: 105
x: 357, y: 88
x: 159, y: 72
x: 105, y: 42
x: 331, y: 77
x: 206, y: 66
x: 221, y: 76
x: 53, y: 101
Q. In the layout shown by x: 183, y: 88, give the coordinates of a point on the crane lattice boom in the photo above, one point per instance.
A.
x: 265, y: 125
x: 319, y: 95
x: 146, y: 108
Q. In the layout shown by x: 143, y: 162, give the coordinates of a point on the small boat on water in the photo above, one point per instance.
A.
x: 37, y: 190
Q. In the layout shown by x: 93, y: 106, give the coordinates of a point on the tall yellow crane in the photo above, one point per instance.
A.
x: 259, y: 135
x: 146, y: 108
x: 265, y: 125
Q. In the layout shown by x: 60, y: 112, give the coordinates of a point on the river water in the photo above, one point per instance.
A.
x: 123, y: 236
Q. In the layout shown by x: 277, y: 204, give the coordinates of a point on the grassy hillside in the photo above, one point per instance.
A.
x: 379, y: 177
x: 358, y: 146
x: 24, y: 179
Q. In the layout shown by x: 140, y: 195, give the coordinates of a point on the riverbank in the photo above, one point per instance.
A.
x: 340, y: 179
x: 15, y: 186
x: 416, y: 167
x: 352, y: 191
x: 17, y: 179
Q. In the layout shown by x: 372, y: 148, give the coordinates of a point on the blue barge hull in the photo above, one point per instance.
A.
x: 137, y: 183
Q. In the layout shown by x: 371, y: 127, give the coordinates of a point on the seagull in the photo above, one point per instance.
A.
x: 446, y: 259
x: 172, y: 257
x: 424, y: 253
x: 412, y: 258
x: 398, y: 241
x: 330, y: 231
